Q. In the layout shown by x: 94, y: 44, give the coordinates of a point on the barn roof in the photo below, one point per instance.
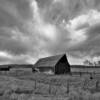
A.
x: 49, y: 61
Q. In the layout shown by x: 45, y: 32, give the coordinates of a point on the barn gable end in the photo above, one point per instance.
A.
x: 62, y: 66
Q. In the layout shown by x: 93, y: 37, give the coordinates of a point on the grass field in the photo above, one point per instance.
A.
x: 30, y: 86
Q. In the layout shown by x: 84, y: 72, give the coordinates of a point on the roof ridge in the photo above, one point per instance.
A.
x: 51, y: 60
x: 53, y: 56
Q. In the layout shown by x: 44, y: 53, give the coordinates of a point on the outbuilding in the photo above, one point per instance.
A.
x: 4, y: 68
x: 53, y: 65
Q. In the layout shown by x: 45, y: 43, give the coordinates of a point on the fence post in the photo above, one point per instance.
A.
x: 80, y: 74
x: 84, y: 84
x: 55, y: 89
x: 67, y: 87
x: 35, y: 85
x: 49, y: 88
x: 97, y: 84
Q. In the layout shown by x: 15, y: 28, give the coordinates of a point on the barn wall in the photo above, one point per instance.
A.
x: 62, y: 67
x: 47, y: 70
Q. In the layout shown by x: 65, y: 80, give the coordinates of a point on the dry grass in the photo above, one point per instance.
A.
x: 22, y: 87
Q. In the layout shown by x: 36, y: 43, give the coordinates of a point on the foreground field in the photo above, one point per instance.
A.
x: 44, y: 87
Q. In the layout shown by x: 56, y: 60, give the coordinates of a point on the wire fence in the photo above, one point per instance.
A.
x: 53, y: 86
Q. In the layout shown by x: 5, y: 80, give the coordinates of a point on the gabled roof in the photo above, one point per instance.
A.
x: 48, y: 61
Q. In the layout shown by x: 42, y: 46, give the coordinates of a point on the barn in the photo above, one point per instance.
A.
x: 53, y: 65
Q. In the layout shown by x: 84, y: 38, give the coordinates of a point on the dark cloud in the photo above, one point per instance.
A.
x: 65, y: 9
x: 6, y: 19
x: 94, y: 30
x: 44, y: 3
x: 13, y: 46
x: 14, y: 59
x: 4, y: 59
x: 91, y: 46
x: 23, y: 6
x: 21, y: 34
x: 11, y: 40
x: 6, y: 33
x: 14, y: 37
x: 83, y: 26
x: 13, y: 12
x: 97, y: 4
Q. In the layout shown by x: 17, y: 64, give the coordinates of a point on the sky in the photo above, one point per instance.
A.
x: 31, y: 29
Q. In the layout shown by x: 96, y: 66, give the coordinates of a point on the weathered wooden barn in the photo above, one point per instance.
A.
x: 53, y: 65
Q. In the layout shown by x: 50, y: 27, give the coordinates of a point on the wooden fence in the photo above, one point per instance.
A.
x: 86, y: 85
x: 53, y: 86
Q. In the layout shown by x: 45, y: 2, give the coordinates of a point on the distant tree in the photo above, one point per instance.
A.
x: 91, y: 63
x: 98, y: 62
x: 88, y: 62
x: 95, y: 63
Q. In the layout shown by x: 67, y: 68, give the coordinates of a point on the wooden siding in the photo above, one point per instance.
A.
x: 62, y: 66
x: 46, y: 70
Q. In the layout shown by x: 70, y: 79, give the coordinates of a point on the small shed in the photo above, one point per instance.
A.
x: 53, y: 65
x: 4, y: 68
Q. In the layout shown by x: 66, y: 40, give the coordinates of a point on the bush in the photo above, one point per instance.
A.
x: 79, y: 94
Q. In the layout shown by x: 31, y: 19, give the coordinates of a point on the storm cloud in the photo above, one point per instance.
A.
x: 30, y: 29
